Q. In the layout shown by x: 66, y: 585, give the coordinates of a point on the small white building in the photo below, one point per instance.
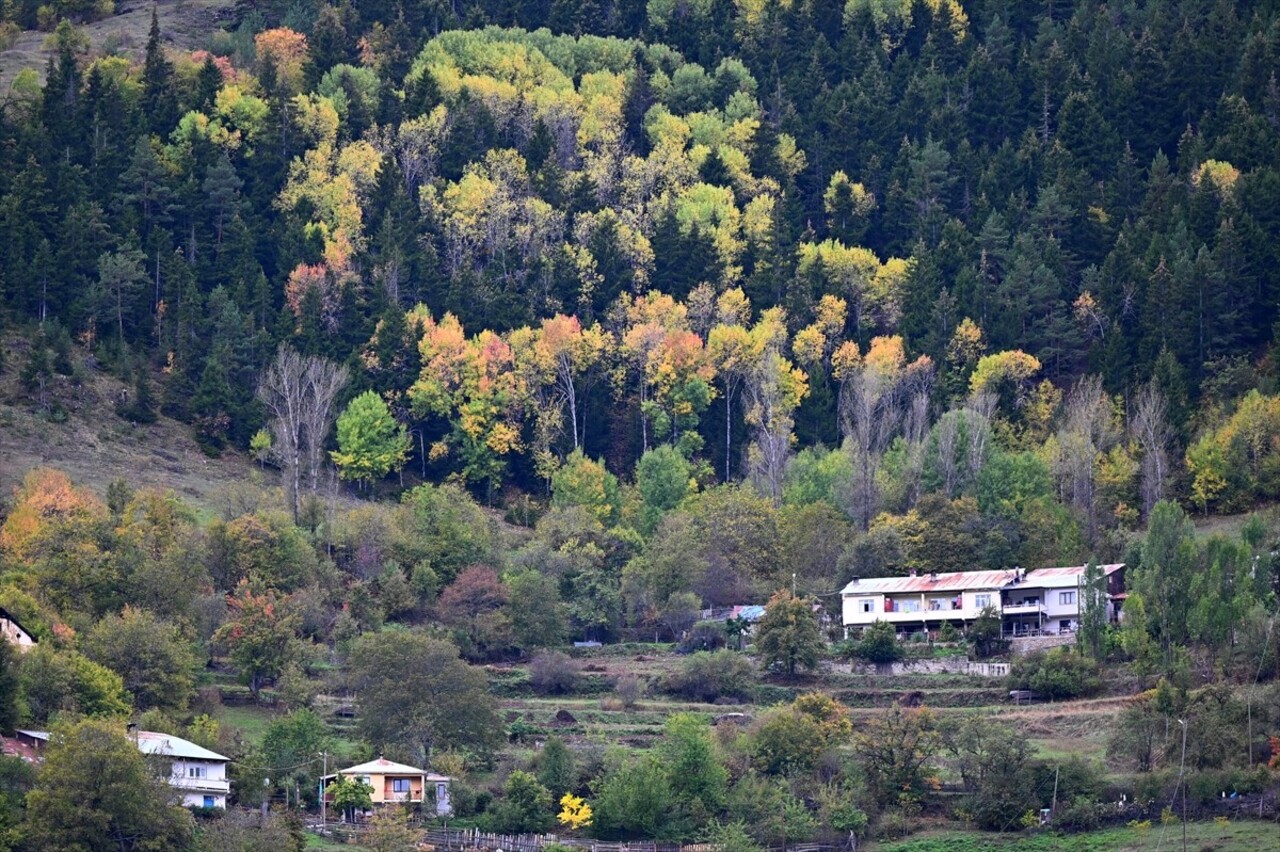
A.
x: 196, y: 773
x: 1044, y: 601
x: 199, y: 774
x: 14, y: 633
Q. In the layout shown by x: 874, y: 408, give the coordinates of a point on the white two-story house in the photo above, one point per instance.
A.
x: 1046, y: 600
x: 197, y: 775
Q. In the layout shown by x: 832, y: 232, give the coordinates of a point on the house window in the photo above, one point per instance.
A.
x: 1066, y: 598
x: 195, y: 772
x: 400, y: 785
x: 982, y: 601
x: 209, y: 802
x: 912, y: 605
x: 867, y: 605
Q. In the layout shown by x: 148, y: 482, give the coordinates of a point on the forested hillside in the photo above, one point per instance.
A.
x: 745, y: 229
x: 583, y: 319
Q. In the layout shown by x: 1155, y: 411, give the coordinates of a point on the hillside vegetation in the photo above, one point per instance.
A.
x: 502, y: 326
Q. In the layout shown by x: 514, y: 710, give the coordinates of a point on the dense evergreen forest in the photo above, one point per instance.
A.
x: 909, y: 208
x: 570, y: 320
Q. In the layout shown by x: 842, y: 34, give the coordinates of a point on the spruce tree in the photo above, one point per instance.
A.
x: 159, y: 101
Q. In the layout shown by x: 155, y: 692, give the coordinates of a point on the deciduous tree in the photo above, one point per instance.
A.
x: 788, y: 635
x: 258, y: 634
x: 416, y: 693
x: 371, y: 443
x: 95, y: 792
x: 155, y: 661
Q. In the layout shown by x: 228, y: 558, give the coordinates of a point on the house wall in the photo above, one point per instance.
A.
x: 15, y: 635
x: 931, y: 608
x: 198, y: 779
x: 420, y: 790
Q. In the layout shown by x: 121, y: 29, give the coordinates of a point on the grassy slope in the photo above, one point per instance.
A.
x: 186, y: 25
x: 94, y: 446
x: 1205, y: 836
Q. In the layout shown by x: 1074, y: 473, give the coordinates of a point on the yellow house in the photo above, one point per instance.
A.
x: 399, y: 783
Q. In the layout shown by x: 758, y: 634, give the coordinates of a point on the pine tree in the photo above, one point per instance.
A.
x: 159, y: 100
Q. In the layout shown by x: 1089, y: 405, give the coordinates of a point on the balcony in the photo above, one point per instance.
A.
x: 203, y: 785
x: 1024, y: 608
x: 401, y: 797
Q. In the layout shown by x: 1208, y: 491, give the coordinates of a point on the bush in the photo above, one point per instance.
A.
x: 704, y: 636
x: 879, y: 644
x: 1082, y: 814
x: 1057, y: 674
x: 628, y: 689
x: 553, y: 673
x: 708, y: 676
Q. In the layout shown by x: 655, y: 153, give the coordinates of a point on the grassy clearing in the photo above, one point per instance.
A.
x: 251, y: 721
x: 324, y: 844
x: 94, y: 446
x: 1204, y: 836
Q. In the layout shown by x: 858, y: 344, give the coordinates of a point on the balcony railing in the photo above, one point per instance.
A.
x: 211, y: 785
x: 1023, y: 608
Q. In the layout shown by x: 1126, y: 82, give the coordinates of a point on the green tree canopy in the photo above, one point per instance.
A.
x: 96, y: 793
x: 155, y: 661
x: 788, y: 636
x: 371, y: 443
x: 417, y: 694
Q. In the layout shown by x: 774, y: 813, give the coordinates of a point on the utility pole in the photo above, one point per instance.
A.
x: 1053, y: 808
x: 323, y: 813
x: 1182, y: 783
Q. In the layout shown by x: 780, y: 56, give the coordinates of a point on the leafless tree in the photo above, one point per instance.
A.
x: 915, y: 431
x: 945, y: 464
x: 299, y: 392
x: 1149, y: 426
x: 873, y: 406
x: 981, y: 408
x: 324, y: 380
x: 1088, y: 429
x: 870, y: 415
x: 769, y: 408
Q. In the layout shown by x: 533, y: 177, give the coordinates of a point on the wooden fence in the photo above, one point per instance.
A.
x: 470, y: 838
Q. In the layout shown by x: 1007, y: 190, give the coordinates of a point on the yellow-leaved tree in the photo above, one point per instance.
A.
x: 575, y: 813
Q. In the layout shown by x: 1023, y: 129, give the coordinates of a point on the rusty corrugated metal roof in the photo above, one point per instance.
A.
x: 955, y: 581
x: 960, y: 581
x: 1067, y: 576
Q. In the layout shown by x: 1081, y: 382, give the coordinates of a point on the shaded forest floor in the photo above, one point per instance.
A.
x: 185, y: 24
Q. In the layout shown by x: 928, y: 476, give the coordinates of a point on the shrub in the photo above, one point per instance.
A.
x: 553, y: 673
x: 708, y: 676
x: 704, y: 636
x: 879, y: 644
x: 628, y: 689
x: 1082, y: 814
x: 1057, y: 674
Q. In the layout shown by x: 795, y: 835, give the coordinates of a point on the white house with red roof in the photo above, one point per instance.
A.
x: 1039, y: 602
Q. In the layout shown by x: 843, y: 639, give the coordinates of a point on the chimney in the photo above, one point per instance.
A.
x: 913, y: 572
x: 933, y: 576
x: 854, y: 582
